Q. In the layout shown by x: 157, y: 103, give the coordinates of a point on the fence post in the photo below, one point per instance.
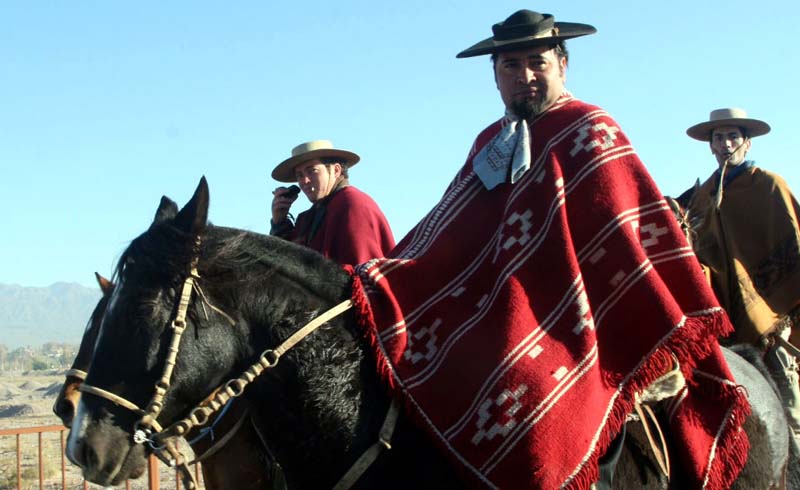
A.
x: 63, y: 462
x: 152, y: 473
x: 153, y: 478
x: 41, y: 464
x: 19, y: 465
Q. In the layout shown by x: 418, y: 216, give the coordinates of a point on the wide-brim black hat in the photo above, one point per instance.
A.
x: 524, y: 29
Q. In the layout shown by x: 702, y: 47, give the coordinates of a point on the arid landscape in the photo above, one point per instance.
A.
x: 26, y: 400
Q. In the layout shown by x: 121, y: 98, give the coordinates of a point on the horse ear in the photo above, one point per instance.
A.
x: 106, y: 286
x: 167, y: 209
x: 192, y: 218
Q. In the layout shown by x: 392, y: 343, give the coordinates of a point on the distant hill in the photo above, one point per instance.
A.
x: 33, y: 316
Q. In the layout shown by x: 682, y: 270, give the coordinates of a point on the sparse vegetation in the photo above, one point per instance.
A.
x: 52, y: 355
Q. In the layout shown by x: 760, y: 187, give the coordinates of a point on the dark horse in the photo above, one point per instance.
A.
x: 321, y: 401
x: 232, y: 451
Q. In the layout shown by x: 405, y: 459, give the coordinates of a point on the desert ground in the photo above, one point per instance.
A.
x: 26, y: 400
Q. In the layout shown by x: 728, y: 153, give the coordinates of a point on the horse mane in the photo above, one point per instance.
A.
x: 265, y: 280
x: 226, y: 254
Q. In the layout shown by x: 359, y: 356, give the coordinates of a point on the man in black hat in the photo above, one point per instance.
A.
x: 530, y: 61
x: 526, y: 316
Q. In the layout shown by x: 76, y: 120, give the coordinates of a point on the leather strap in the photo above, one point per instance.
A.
x: 646, y: 416
x: 85, y: 388
x: 311, y: 326
x: 370, y: 455
x: 788, y: 346
x: 222, y: 441
x: 76, y: 373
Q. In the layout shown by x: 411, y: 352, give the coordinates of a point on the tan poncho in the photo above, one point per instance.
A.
x: 752, y: 247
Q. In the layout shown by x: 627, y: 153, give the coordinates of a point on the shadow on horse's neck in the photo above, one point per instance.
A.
x: 323, y: 401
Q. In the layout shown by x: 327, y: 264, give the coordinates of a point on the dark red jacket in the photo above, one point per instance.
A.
x: 348, y: 228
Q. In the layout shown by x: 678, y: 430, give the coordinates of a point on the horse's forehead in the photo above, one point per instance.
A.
x: 123, y: 317
x: 113, y: 300
x: 108, y: 313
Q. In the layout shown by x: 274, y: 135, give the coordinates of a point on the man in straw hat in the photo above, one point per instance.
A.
x: 344, y: 224
x: 746, y: 225
x: 548, y: 290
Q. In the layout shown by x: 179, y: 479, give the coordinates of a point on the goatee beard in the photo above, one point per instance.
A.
x: 527, y: 108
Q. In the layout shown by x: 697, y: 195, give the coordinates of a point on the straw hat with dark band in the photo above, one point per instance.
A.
x: 731, y: 116
x: 524, y: 29
x: 311, y: 150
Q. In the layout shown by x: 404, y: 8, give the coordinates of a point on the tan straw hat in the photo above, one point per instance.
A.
x: 311, y: 150
x: 731, y: 116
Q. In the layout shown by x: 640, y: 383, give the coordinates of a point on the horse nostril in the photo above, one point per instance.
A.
x: 90, y: 457
x: 83, y: 455
x: 65, y: 410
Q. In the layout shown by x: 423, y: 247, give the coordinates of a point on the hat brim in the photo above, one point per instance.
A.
x: 566, y: 30
x: 284, y: 172
x: 702, y: 131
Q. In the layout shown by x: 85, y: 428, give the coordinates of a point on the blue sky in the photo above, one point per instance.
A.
x: 107, y: 106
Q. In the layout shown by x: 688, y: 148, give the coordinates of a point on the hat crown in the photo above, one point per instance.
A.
x: 727, y: 113
x: 526, y: 29
x: 311, y: 146
x: 522, y: 23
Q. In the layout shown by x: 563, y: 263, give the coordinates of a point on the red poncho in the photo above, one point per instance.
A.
x: 350, y: 228
x: 518, y: 324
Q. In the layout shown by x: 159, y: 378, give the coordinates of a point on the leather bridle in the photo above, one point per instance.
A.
x: 148, y: 430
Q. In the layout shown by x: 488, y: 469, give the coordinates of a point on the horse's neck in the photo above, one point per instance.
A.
x: 322, y: 403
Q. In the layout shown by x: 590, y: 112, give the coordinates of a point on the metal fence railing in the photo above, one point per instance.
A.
x: 22, y: 466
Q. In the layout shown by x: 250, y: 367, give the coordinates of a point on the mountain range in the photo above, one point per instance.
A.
x: 32, y: 316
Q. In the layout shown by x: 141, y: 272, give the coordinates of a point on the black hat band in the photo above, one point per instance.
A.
x: 542, y: 29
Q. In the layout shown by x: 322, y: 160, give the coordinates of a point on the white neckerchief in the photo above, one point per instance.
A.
x: 511, y: 147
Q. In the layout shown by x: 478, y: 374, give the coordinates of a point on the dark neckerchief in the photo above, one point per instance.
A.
x: 733, y: 172
x: 318, y: 211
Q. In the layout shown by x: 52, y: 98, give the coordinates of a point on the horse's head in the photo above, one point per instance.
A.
x: 68, y: 397
x: 192, y: 306
x: 682, y: 215
x: 132, y: 351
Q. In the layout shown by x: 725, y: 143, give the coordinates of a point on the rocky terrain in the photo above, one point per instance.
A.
x: 26, y: 398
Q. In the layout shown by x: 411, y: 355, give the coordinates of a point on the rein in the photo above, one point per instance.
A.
x: 267, y: 360
x: 76, y: 373
x: 147, y: 429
